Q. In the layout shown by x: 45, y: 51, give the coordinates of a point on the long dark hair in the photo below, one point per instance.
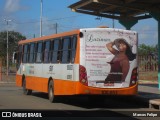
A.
x: 131, y: 56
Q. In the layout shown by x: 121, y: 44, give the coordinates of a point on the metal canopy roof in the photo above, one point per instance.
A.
x: 118, y: 9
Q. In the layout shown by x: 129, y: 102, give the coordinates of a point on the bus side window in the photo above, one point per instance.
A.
x: 60, y: 47
x: 25, y: 53
x: 46, y: 51
x: 31, y: 54
x: 55, y: 48
x: 39, y: 52
x: 35, y: 52
x: 28, y: 52
x: 66, y: 50
x: 73, y: 48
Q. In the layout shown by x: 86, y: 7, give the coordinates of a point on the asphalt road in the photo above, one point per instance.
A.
x: 12, y: 98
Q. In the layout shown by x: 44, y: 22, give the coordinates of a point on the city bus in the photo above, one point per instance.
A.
x: 86, y: 61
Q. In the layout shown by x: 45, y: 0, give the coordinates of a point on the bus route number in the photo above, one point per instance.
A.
x: 109, y: 92
x: 50, y: 68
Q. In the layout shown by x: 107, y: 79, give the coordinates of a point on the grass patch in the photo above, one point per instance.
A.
x: 148, y: 75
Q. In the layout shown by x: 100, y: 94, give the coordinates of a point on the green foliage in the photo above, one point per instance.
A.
x: 147, y: 50
x: 13, y: 38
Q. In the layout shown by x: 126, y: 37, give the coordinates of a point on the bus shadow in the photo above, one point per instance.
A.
x: 82, y: 101
x: 40, y: 95
x: 115, y: 102
x: 112, y: 102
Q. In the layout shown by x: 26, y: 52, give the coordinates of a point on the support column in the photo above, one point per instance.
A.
x: 156, y: 16
x: 128, y: 23
x: 0, y: 69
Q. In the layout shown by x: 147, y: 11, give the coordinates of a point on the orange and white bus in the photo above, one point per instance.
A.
x: 80, y: 62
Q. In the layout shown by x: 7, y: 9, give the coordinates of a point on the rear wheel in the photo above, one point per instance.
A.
x: 51, y: 92
x: 25, y: 90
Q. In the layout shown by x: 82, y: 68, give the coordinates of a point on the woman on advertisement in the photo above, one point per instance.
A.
x: 120, y: 62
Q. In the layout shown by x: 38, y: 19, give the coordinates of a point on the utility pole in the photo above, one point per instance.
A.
x: 113, y: 22
x: 7, y: 43
x: 113, y: 25
x: 41, y: 4
x: 56, y: 26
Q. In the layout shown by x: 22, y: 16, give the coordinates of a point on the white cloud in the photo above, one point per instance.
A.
x: 12, y: 6
x: 143, y: 36
x: 155, y: 35
x: 147, y: 34
x: 146, y: 28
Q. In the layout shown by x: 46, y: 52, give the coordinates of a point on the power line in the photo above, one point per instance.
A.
x: 37, y: 21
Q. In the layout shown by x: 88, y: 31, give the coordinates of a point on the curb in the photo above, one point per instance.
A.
x: 7, y: 83
x: 147, y: 82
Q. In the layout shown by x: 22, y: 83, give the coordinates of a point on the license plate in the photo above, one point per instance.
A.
x: 110, y: 92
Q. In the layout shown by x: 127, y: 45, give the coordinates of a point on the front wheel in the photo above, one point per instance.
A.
x: 25, y: 90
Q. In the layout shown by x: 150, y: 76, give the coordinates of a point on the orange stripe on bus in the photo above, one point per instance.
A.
x: 61, y: 87
x: 65, y: 87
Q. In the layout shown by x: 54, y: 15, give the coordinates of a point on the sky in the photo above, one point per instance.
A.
x: 25, y: 18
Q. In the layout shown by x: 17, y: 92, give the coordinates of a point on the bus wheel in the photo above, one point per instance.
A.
x: 26, y: 91
x: 51, y: 92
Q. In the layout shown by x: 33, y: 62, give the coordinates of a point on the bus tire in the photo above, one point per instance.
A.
x: 51, y: 91
x: 26, y: 91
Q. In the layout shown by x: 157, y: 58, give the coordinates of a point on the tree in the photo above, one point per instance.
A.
x: 147, y: 50
x: 13, y: 38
